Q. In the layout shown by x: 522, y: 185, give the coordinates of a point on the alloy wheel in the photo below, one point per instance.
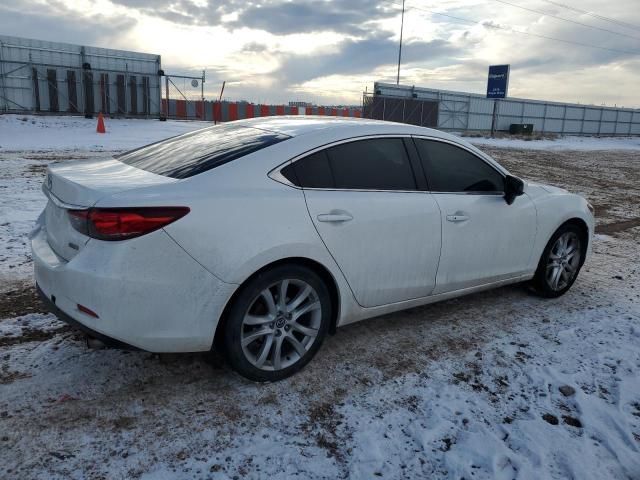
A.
x: 281, y: 324
x: 563, y: 261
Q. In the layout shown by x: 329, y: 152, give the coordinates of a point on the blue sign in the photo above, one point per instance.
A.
x: 498, y: 82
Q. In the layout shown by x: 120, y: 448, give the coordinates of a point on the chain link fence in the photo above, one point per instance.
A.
x: 423, y: 113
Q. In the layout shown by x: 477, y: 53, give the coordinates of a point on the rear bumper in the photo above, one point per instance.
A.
x: 149, y: 294
x: 51, y: 306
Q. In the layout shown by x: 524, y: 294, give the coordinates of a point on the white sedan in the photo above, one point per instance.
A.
x: 259, y: 237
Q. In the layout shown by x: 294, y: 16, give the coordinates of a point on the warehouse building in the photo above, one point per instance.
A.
x: 51, y: 77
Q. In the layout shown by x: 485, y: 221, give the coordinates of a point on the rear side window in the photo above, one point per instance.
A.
x: 377, y: 164
x: 453, y: 169
x: 313, y: 171
x: 199, y: 151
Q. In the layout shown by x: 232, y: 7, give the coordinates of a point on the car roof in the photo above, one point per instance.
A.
x: 331, y: 129
x: 297, y: 125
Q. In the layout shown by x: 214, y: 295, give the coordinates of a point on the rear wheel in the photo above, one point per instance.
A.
x: 560, y: 262
x: 277, y: 323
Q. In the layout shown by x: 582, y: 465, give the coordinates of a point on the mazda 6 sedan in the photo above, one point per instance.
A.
x: 259, y: 237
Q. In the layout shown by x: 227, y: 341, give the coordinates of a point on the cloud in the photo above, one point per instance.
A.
x: 56, y: 22
x: 345, y: 16
x: 328, y: 50
x: 274, y: 16
x: 360, y: 56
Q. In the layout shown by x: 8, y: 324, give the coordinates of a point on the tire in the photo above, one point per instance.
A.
x: 266, y: 340
x: 560, y: 262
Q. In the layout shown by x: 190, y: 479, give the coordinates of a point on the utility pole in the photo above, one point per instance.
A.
x: 202, y: 89
x: 400, y: 48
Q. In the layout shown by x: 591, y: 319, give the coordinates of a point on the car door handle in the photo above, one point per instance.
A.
x: 457, y: 218
x: 334, y: 217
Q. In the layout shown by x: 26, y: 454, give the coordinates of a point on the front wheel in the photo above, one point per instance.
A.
x: 277, y: 323
x: 560, y: 262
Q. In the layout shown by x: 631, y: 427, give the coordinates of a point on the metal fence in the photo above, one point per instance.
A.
x: 50, y: 77
x: 423, y: 113
x: 225, y: 111
x: 471, y: 112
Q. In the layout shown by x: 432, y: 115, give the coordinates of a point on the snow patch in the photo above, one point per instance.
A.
x: 561, y: 143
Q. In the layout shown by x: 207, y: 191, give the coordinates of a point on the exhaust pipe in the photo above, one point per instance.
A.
x: 94, y: 343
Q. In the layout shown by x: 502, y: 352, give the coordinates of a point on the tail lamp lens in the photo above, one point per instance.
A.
x: 123, y: 223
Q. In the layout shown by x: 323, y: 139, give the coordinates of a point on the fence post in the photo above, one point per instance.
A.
x: 493, y: 117
x: 544, y: 117
x: 4, y: 89
x: 584, y: 114
x: 615, y: 126
x: 564, y: 116
x: 600, y: 121
x: 35, y: 97
x: 158, y: 68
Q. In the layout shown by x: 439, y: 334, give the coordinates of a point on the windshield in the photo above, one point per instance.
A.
x: 196, y: 152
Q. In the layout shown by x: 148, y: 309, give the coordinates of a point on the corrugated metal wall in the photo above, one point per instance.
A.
x: 41, y: 76
x: 467, y: 112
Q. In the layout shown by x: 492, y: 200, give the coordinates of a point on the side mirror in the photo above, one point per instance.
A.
x: 513, y: 187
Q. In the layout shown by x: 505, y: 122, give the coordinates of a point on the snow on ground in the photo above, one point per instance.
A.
x: 34, y: 133
x: 568, y: 142
x: 501, y: 384
x: 496, y: 385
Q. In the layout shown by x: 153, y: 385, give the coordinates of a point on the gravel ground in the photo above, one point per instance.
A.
x: 500, y: 384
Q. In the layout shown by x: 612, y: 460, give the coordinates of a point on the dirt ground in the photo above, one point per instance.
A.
x: 69, y: 412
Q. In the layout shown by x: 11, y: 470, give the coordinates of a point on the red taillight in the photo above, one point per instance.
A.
x: 87, y: 311
x: 123, y: 223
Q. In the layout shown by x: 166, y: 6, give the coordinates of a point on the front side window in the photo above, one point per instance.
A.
x: 196, y: 152
x: 374, y: 164
x: 453, y: 169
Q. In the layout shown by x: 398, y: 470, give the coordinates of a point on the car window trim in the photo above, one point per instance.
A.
x: 276, y: 175
x: 466, y: 149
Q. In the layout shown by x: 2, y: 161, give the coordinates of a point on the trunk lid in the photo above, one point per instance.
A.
x: 79, y: 185
x: 84, y: 183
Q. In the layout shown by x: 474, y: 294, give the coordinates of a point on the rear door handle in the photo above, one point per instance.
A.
x: 457, y: 218
x: 334, y: 217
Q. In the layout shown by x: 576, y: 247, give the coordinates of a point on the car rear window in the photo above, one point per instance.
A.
x: 196, y: 152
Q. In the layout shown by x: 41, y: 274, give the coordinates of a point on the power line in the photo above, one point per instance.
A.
x: 595, y: 15
x: 566, y: 19
x: 511, y: 29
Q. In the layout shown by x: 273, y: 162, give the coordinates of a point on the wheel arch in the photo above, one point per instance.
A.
x: 317, y: 267
x: 582, y: 225
x: 584, y: 236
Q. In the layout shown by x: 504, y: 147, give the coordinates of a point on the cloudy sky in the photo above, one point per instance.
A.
x: 329, y: 51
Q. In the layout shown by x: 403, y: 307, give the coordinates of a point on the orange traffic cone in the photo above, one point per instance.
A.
x: 100, y: 128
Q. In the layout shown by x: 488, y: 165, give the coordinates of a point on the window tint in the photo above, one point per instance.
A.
x: 379, y: 164
x: 289, y: 173
x: 452, y: 169
x: 313, y: 171
x: 193, y: 153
